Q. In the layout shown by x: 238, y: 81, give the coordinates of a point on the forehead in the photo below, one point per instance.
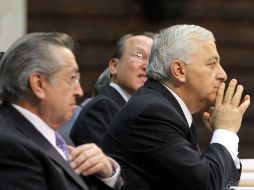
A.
x: 138, y: 41
x: 67, y: 58
x: 206, y: 49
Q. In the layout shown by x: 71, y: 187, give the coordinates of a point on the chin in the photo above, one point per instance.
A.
x: 67, y: 117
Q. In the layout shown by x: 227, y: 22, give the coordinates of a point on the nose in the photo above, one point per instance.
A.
x: 144, y: 64
x: 78, y: 91
x: 222, y: 75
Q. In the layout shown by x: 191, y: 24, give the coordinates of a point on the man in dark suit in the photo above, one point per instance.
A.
x: 39, y: 82
x: 153, y: 136
x: 127, y: 67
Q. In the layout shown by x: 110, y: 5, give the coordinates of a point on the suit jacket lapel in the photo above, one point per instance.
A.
x: 167, y: 94
x: 114, y: 95
x: 25, y: 127
x: 170, y: 97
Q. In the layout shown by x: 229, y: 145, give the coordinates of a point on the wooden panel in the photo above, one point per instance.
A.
x: 96, y: 25
x: 81, y: 7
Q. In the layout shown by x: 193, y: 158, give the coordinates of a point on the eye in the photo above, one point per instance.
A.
x: 212, y: 64
x: 73, y: 78
x: 140, y: 55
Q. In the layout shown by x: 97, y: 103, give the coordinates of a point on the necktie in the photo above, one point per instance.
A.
x: 194, y: 132
x: 60, y: 143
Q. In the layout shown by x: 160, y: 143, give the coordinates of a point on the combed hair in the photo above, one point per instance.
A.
x: 32, y: 53
x: 174, y: 43
x: 119, y: 48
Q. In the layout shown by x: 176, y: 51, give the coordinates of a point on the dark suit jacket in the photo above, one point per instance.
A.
x: 157, y: 150
x: 29, y: 162
x: 96, y: 116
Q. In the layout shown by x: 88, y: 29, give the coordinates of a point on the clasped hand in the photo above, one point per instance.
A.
x: 228, y: 110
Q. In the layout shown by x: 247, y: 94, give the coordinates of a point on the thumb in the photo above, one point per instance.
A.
x: 70, y: 148
x: 206, y: 117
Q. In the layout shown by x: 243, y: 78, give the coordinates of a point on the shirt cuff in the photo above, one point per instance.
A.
x: 230, y: 141
x: 111, y: 181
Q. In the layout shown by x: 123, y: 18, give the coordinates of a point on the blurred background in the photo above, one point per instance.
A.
x: 96, y: 25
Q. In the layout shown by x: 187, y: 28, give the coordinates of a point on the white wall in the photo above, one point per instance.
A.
x: 13, y: 19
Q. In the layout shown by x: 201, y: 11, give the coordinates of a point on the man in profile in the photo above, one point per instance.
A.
x: 39, y: 84
x: 154, y: 138
x: 128, y: 73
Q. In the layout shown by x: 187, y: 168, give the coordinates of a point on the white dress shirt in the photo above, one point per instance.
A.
x: 126, y: 96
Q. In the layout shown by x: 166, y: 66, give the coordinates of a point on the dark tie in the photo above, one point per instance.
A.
x: 194, y: 132
x: 60, y: 143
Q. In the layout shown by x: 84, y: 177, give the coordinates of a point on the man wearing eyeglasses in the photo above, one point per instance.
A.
x: 39, y: 84
x: 128, y: 73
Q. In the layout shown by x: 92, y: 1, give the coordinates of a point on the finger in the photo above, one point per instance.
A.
x: 102, y: 168
x: 245, y: 104
x: 92, y: 164
x: 237, y: 96
x: 76, y: 151
x: 81, y: 158
x: 70, y: 149
x: 84, y: 155
x: 220, y: 94
x: 206, y: 117
x: 94, y: 170
x: 230, y: 91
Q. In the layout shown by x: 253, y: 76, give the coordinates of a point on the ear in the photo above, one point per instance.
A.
x: 37, y: 85
x: 178, y: 71
x: 113, y: 63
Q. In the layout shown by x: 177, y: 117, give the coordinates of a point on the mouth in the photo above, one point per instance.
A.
x: 142, y: 77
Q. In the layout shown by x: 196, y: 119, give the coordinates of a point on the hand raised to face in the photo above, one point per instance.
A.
x: 228, y: 109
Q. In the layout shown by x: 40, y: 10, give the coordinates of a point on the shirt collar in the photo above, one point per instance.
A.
x: 39, y: 124
x: 186, y: 112
x: 126, y: 96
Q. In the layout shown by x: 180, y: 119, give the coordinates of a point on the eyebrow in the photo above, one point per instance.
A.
x: 216, y: 57
x: 73, y: 71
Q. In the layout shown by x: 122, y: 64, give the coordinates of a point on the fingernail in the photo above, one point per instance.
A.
x: 73, y: 165
x: 77, y: 171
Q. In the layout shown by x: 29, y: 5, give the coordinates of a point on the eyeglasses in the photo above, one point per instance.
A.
x: 72, y: 81
x: 75, y: 79
x: 140, y: 56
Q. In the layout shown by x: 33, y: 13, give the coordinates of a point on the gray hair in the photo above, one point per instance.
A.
x: 32, y: 53
x: 174, y: 43
x: 102, y: 81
